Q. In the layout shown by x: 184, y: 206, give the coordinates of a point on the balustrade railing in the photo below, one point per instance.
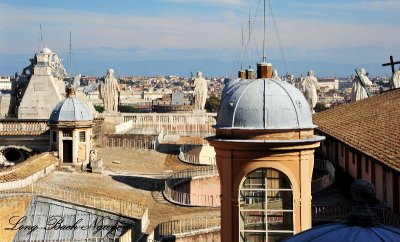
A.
x: 199, y: 171
x: 203, y: 200
x: 114, y: 142
x: 194, y: 159
x: 190, y: 225
x: 16, y: 127
x: 331, y: 213
x: 190, y: 199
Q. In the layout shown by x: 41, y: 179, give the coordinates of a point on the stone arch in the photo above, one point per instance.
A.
x: 266, y: 205
x: 252, y: 166
x: 10, y: 155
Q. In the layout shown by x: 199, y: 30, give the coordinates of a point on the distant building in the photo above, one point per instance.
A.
x: 327, y: 84
x: 5, y: 84
x: 174, y: 102
x: 150, y: 96
x: 346, y: 83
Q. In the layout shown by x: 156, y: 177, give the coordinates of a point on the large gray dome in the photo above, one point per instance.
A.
x: 343, y: 232
x: 71, y: 110
x: 263, y: 104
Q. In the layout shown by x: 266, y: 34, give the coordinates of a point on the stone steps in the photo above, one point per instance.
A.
x: 68, y: 169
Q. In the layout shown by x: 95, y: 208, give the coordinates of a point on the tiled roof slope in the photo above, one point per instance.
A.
x: 371, y: 126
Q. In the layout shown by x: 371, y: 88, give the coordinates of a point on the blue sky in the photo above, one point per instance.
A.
x: 160, y: 36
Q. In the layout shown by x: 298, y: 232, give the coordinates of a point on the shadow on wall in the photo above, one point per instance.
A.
x: 142, y: 183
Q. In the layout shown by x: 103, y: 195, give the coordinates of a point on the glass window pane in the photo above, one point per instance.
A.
x: 255, y: 179
x: 252, y: 199
x: 278, y: 220
x: 277, y: 237
x: 280, y: 200
x: 252, y: 237
x: 267, y: 194
x: 252, y: 220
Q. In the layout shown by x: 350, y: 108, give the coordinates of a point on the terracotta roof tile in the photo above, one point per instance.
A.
x: 371, y: 126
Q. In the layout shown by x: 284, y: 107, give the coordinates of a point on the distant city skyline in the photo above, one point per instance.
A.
x: 167, y: 37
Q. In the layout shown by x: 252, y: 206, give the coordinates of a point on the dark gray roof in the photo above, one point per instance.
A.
x: 263, y: 104
x: 343, y: 232
x: 71, y: 109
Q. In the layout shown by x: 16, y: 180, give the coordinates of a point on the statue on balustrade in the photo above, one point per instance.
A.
x: 395, y: 81
x: 360, y: 83
x: 200, y: 92
x: 310, y: 87
x: 109, y: 92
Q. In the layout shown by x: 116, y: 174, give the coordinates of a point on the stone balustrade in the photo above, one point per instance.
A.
x: 179, y: 123
x: 23, y: 127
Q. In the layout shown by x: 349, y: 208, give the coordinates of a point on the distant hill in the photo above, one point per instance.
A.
x: 9, y: 64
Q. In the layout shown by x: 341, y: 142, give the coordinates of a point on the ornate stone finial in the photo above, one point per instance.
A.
x: 71, y: 92
x: 363, y: 192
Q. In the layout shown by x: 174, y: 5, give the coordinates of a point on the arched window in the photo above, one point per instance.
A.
x: 266, y: 206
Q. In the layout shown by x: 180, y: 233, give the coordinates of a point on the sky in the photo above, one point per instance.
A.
x: 176, y: 37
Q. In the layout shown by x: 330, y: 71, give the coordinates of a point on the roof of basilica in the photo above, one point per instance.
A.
x: 263, y: 104
x: 371, y: 126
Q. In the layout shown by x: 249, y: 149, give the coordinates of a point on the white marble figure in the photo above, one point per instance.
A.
x: 291, y: 79
x: 200, y: 92
x: 358, y: 92
x: 109, y: 91
x: 395, y: 81
x: 309, y: 87
x: 92, y: 156
x: 275, y: 75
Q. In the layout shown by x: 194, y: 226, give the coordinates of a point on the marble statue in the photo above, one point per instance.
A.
x: 77, y: 82
x: 92, y: 156
x: 200, y: 92
x: 309, y: 87
x: 358, y: 92
x: 109, y: 91
x: 395, y: 81
x: 291, y: 79
x: 275, y: 75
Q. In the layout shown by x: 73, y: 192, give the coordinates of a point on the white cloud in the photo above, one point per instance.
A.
x: 311, y: 38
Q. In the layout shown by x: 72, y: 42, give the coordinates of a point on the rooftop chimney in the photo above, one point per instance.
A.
x: 264, y: 70
x: 242, y: 74
x: 250, y: 73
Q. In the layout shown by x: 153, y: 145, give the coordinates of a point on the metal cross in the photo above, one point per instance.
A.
x: 392, y: 64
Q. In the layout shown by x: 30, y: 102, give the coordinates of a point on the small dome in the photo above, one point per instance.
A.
x: 263, y: 104
x: 71, y: 110
x: 343, y: 232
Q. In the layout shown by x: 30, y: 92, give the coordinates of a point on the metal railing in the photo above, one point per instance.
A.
x: 189, y: 225
x: 96, y: 201
x: 199, y: 171
x: 332, y: 213
x: 326, y: 168
x: 194, y: 159
x: 189, y: 199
